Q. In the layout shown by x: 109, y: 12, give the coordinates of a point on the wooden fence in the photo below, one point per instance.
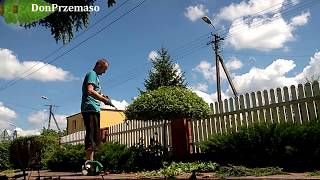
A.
x: 294, y: 104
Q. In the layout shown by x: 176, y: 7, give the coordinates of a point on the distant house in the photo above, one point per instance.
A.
x: 108, y: 117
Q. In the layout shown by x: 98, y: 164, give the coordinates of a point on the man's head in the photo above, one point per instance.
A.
x: 101, y: 66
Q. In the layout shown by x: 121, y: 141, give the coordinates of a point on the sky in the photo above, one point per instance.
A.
x: 267, y: 44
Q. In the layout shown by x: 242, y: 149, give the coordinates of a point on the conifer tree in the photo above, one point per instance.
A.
x: 164, y: 73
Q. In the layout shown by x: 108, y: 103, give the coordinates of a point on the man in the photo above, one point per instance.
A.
x: 90, y: 106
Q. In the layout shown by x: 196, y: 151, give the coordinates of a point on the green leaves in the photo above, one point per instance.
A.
x: 164, y: 73
x: 168, y: 103
x: 21, y: 11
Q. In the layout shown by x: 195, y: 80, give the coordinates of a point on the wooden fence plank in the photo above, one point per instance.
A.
x: 227, y: 117
x: 280, y: 109
x: 274, y: 113
x: 311, y: 109
x: 222, y: 121
x: 254, y: 104
x: 218, y: 122
x: 316, y: 92
x: 288, y: 111
x: 233, y: 116
x: 237, y: 108
x: 248, y: 113
x: 295, y: 112
x: 267, y: 110
x: 212, y: 121
x: 243, y: 115
x: 261, y: 115
x: 303, y: 108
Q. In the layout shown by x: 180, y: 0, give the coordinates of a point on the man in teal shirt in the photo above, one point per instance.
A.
x: 90, y: 106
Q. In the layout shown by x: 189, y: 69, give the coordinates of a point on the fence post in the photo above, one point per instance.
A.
x: 181, y: 138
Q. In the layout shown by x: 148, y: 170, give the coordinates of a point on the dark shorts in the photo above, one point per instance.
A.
x: 92, y: 124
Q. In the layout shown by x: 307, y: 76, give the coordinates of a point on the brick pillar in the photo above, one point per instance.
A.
x: 104, y: 133
x: 181, y: 138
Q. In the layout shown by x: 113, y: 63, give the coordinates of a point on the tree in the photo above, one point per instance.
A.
x: 63, y: 24
x: 164, y: 73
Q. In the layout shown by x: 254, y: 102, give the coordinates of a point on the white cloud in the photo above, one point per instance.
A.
x: 262, y: 33
x: 272, y: 76
x: 300, y: 20
x: 40, y: 119
x: 206, y: 69
x: 6, y: 116
x: 250, y: 8
x: 177, y: 67
x: 201, y: 87
x: 12, y: 68
x: 153, y: 55
x: 30, y: 132
x: 120, y: 105
x: 234, y: 64
x: 311, y: 70
x: 195, y: 12
x: 209, y: 98
x: 258, y: 24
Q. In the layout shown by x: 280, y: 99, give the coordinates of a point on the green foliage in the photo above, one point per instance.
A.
x: 25, y: 152
x: 243, y: 171
x: 167, y: 103
x: 50, y: 140
x: 291, y: 146
x: 147, y: 158
x: 175, y: 169
x: 5, y: 155
x: 67, y: 158
x: 164, y: 73
x: 63, y: 24
x: 114, y: 157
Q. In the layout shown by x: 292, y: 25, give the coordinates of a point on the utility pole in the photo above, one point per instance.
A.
x: 215, y: 46
x: 52, y: 115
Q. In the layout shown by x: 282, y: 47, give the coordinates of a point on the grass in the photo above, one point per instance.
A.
x: 176, y: 169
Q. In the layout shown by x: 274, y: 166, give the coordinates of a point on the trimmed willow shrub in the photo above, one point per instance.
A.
x: 167, y: 103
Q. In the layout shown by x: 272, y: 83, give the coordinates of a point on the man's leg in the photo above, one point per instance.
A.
x: 90, y: 154
x: 89, y: 139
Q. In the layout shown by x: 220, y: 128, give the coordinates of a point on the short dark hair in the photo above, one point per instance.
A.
x: 100, y: 62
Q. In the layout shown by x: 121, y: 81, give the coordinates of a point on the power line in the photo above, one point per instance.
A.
x: 58, y: 57
x: 64, y: 45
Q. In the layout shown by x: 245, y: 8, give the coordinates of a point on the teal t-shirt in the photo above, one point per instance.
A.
x: 88, y: 103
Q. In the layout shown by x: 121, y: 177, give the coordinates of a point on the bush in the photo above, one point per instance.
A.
x: 167, y: 103
x: 25, y: 152
x: 51, y: 145
x: 67, y: 158
x: 147, y: 158
x: 114, y: 157
x: 5, y: 155
x: 291, y: 146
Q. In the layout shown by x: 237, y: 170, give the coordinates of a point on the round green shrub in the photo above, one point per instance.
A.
x: 113, y: 156
x: 67, y: 158
x: 167, y: 103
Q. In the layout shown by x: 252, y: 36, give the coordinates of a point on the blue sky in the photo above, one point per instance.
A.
x: 267, y: 44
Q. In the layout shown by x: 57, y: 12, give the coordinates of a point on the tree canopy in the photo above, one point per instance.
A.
x: 63, y: 25
x: 164, y: 73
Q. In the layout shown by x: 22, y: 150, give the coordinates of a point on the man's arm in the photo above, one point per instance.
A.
x: 91, y: 92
